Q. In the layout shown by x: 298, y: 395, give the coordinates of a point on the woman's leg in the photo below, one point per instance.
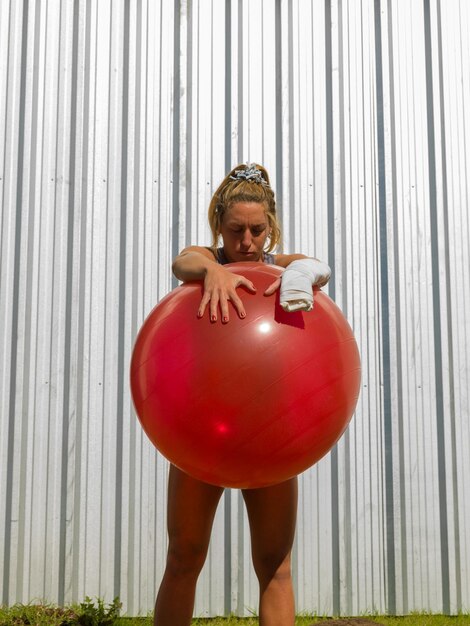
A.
x: 272, y: 513
x: 191, y: 510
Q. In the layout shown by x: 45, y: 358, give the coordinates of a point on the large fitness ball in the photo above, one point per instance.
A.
x: 252, y: 402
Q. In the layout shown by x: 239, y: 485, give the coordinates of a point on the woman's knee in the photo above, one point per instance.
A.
x: 186, y: 559
x: 272, y: 565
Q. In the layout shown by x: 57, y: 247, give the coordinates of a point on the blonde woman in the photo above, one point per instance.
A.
x: 242, y: 218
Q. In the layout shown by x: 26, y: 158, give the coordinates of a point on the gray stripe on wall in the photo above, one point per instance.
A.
x: 241, y: 555
x: 11, y: 467
x: 27, y: 374
x: 189, y: 122
x: 122, y: 336
x: 385, y: 323
x: 136, y: 210
x: 457, y: 581
x: 347, y: 575
x: 81, y: 413
x: 175, y: 210
x: 335, y: 525
x: 240, y: 72
x: 330, y: 148
x: 279, y: 107
x: 398, y: 330
x: 290, y: 124
x: 437, y: 329
x: 228, y: 86
x: 68, y: 411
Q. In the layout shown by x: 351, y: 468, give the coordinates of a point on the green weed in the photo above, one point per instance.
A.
x: 88, y: 613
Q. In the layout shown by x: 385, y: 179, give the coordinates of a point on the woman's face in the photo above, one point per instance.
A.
x: 244, y: 229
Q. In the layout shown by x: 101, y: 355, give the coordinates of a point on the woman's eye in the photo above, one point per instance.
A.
x: 256, y: 232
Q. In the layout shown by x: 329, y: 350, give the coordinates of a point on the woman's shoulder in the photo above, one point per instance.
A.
x: 204, y: 250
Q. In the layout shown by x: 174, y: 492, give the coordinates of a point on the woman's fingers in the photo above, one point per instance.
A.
x: 273, y: 287
x: 221, y: 301
x: 217, y: 296
x: 204, y: 302
x: 246, y: 283
x: 238, y: 304
x: 235, y: 298
x: 215, y: 300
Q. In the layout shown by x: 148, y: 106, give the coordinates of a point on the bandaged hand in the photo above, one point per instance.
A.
x: 299, y: 277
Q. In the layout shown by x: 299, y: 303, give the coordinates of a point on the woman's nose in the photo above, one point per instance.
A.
x: 246, y: 238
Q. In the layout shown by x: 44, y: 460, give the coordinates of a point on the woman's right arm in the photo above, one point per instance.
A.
x: 220, y: 285
x: 192, y: 263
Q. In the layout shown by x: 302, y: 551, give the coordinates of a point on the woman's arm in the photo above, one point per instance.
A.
x: 283, y: 260
x: 301, y: 271
x: 192, y: 263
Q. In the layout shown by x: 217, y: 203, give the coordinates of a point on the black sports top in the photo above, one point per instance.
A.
x: 222, y: 259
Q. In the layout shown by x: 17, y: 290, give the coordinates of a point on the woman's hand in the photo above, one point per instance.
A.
x: 220, y: 287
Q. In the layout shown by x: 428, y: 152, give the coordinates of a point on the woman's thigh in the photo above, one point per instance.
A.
x: 191, y: 509
x: 272, y: 514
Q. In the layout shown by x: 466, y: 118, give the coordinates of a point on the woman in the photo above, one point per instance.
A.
x: 243, y: 214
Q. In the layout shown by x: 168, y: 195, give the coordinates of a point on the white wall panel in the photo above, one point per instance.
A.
x: 117, y: 122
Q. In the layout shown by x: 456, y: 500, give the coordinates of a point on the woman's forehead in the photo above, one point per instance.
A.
x: 246, y: 212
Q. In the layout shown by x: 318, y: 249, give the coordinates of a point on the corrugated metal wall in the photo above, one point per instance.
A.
x: 117, y: 120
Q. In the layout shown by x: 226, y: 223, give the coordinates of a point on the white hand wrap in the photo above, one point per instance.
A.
x: 297, y: 281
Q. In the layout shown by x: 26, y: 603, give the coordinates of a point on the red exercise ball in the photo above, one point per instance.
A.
x: 252, y: 402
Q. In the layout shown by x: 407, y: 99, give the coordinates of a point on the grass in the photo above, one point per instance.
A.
x: 39, y: 615
x: 90, y: 613
x: 418, y: 619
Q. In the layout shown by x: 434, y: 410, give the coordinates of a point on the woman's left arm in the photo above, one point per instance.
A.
x: 319, y: 272
x: 284, y: 260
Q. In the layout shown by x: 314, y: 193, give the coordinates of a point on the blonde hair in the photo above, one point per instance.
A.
x: 244, y: 189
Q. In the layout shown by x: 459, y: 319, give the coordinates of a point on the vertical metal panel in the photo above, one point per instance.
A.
x: 118, y: 120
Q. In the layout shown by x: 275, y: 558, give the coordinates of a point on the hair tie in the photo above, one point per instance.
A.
x: 251, y: 173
